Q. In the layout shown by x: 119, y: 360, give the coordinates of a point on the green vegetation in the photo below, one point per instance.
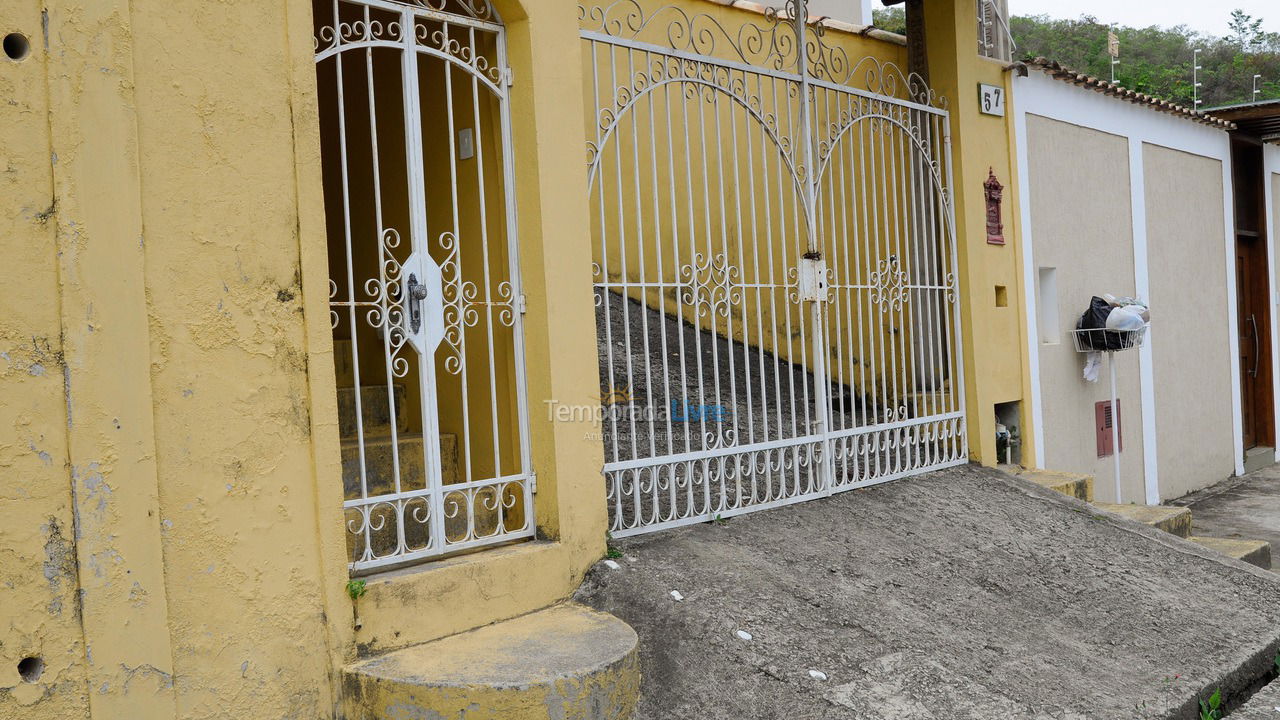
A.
x: 893, y: 19
x: 355, y: 589
x: 1211, y: 709
x: 610, y: 552
x: 1153, y: 60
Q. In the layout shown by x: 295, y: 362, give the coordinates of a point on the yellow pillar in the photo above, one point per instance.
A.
x: 994, y: 335
x: 107, y: 368
x: 41, y: 633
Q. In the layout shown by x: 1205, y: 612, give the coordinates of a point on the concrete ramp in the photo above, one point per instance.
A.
x: 965, y: 593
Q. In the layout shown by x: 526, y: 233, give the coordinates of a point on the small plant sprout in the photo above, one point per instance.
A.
x: 356, y: 590
x: 1211, y: 709
x: 611, y: 552
x: 719, y: 520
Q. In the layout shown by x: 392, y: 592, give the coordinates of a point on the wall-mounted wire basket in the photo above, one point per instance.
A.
x: 1101, y: 340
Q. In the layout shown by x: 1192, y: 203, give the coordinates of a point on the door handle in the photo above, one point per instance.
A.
x: 1253, y: 320
x: 417, y: 293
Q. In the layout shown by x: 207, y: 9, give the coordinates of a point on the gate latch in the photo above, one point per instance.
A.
x: 417, y: 293
x: 813, y: 278
x: 423, y: 302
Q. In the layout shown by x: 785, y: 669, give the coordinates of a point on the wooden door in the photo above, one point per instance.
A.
x: 1252, y: 298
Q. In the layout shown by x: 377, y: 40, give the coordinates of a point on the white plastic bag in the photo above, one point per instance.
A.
x: 1127, y: 318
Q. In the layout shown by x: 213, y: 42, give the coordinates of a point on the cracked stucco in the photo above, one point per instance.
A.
x: 158, y: 521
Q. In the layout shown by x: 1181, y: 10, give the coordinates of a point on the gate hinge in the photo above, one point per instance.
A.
x: 509, y: 76
x: 522, y: 307
x: 533, y: 483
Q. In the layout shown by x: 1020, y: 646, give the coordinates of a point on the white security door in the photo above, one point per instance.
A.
x: 424, y: 287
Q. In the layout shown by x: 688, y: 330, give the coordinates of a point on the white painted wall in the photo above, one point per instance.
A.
x: 1271, y: 192
x: 1139, y: 127
x: 857, y: 12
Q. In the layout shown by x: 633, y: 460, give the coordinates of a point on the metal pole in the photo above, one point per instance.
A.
x: 1115, y: 425
x: 1195, y: 79
x: 822, y: 384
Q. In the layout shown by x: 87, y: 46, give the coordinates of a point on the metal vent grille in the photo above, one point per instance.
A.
x: 1102, y: 426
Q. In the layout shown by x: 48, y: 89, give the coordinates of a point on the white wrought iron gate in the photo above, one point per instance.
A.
x: 774, y: 265
x: 425, y: 293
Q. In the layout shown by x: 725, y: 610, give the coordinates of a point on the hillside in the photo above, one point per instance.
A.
x: 1153, y: 59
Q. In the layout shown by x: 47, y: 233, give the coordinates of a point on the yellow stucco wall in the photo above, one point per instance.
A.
x: 171, y: 533
x: 172, y: 530
x: 996, y: 369
x: 38, y: 578
x: 1072, y: 168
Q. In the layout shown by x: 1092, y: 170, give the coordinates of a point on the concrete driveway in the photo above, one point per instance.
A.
x: 959, y: 594
x: 1243, y: 507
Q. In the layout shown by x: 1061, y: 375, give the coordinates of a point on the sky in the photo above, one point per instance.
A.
x: 1206, y: 17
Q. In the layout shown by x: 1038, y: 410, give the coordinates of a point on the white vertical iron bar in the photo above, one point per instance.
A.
x: 489, y: 300
x: 821, y: 381
x: 418, y: 238
x: 642, y: 279
x: 351, y: 285
x: 517, y: 284
x: 865, y: 308
x: 902, y: 219
x: 383, y: 308
x: 661, y: 323
x: 463, y: 366
x: 728, y: 280
x: 955, y: 341
x: 893, y: 229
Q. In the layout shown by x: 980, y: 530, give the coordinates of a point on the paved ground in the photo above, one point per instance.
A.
x: 1244, y: 507
x: 960, y: 594
x: 1263, y: 706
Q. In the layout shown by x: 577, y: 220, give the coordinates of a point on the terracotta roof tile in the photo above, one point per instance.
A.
x: 1057, y: 70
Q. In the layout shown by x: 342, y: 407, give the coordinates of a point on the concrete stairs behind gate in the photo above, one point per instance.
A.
x: 566, y: 661
x: 382, y: 430
x: 1173, y: 520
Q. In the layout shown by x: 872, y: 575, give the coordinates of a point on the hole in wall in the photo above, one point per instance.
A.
x: 31, y: 668
x: 1009, y: 433
x: 1002, y: 296
x: 16, y: 46
x: 1047, y: 306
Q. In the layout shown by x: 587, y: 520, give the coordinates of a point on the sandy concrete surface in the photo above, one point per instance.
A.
x: 960, y: 594
x: 1245, y: 507
x: 1265, y: 705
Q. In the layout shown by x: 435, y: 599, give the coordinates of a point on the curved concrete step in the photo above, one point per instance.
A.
x: 567, y: 661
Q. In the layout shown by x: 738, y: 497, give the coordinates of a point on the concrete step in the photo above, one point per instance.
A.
x: 375, y: 406
x: 567, y: 661
x: 1070, y: 484
x: 1256, y: 458
x: 1254, y: 552
x: 1173, y: 520
x: 1264, y: 705
x: 379, y: 463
